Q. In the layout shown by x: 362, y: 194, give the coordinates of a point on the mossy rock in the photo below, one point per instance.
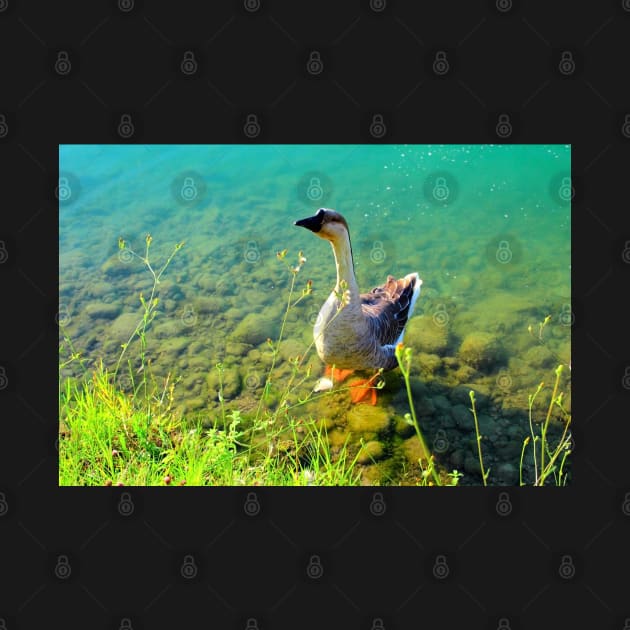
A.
x: 122, y: 327
x: 337, y: 437
x: 367, y: 419
x: 412, y: 449
x: 402, y: 427
x: 102, y: 310
x: 426, y: 364
x: 481, y: 350
x: 255, y: 329
x: 539, y: 356
x: 424, y: 335
x: 114, y: 267
x: 208, y: 305
x: 371, y: 451
x: 231, y: 383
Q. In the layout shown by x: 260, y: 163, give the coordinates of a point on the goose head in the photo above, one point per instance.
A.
x: 326, y: 224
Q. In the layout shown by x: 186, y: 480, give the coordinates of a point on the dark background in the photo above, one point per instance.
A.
x: 314, y: 558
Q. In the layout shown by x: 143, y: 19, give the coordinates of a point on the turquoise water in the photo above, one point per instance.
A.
x: 486, y: 227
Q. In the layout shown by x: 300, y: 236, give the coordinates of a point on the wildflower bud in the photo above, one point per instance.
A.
x: 167, y: 479
x: 108, y: 482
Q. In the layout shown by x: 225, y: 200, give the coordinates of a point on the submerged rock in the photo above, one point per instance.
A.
x: 371, y: 451
x: 255, y: 329
x: 231, y: 383
x: 102, y: 310
x: 413, y: 451
x: 367, y: 419
x: 480, y: 350
x: 424, y: 335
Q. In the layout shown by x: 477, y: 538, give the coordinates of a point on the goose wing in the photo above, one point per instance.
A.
x: 388, y: 307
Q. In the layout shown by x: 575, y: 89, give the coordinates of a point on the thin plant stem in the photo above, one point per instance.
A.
x: 484, y: 474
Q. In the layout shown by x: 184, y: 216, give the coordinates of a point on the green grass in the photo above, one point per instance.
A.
x: 113, y: 437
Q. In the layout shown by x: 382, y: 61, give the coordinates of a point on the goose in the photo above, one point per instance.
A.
x: 358, y: 331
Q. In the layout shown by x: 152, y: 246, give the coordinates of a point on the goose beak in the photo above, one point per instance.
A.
x: 314, y: 223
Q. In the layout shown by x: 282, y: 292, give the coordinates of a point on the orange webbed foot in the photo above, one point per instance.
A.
x: 359, y: 390
x: 337, y: 374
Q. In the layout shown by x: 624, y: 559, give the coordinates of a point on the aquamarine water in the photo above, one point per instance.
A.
x: 486, y: 227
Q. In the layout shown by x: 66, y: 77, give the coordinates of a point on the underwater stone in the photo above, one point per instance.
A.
x: 114, y: 267
x: 426, y: 364
x: 424, y: 335
x: 480, y: 350
x: 367, y: 419
x: 254, y: 329
x: 463, y: 417
x: 370, y: 451
x: 122, y: 327
x: 540, y: 357
x: 413, y: 451
x: 102, y: 310
x: 231, y: 383
x: 402, y: 427
x: 472, y: 466
x: 508, y: 473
